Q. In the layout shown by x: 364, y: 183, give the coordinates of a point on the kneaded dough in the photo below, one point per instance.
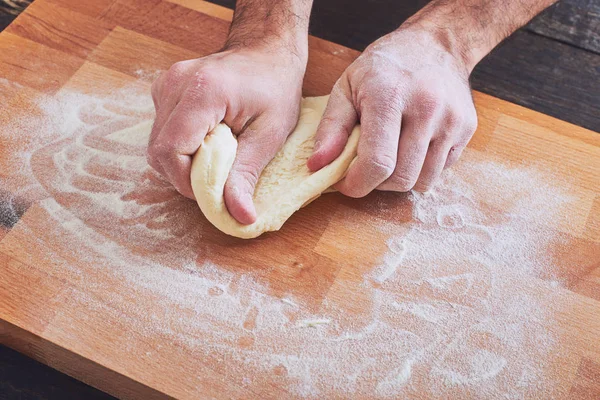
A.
x: 285, y: 185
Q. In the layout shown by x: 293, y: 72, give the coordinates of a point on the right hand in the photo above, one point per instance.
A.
x: 256, y: 92
x: 411, y: 95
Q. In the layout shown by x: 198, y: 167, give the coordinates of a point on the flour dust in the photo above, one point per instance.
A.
x: 456, y: 305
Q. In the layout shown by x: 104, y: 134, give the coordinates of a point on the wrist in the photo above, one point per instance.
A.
x: 279, y: 27
x: 456, y: 31
x: 290, y: 49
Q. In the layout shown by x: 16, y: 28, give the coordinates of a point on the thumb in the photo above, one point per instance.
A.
x: 335, y: 127
x: 257, y: 146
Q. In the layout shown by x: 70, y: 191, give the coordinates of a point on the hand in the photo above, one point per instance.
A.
x: 412, y: 98
x: 256, y: 92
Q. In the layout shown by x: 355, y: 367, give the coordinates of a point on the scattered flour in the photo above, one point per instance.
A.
x: 289, y: 302
x: 453, y: 307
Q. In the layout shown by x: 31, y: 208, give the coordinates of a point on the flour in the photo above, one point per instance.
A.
x: 396, y: 379
x: 455, y: 307
x: 289, y: 302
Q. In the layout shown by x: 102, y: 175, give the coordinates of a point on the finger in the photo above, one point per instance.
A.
x: 453, y: 155
x: 167, y: 92
x: 335, y: 127
x: 156, y: 89
x: 412, y: 149
x: 150, y: 155
x: 163, y: 106
x: 465, y: 134
x: 180, y: 138
x: 433, y: 166
x: 463, y: 126
x: 257, y: 146
x: 163, y: 114
x: 377, y: 148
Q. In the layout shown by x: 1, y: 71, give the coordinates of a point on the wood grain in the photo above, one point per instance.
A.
x: 64, y: 305
x: 566, y: 76
x: 576, y: 22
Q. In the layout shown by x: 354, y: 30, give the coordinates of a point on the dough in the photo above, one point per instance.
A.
x: 285, y: 185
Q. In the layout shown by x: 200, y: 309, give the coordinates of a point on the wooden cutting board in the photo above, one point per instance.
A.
x: 488, y: 287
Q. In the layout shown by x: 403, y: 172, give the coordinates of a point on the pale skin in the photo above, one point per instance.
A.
x: 409, y: 90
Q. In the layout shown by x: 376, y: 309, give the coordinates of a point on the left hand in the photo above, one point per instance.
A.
x: 412, y: 97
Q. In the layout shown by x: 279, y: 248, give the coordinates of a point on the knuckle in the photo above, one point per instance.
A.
x: 382, y: 166
x: 155, y: 100
x: 471, y: 123
x: 157, y: 88
x: 156, y: 85
x: 201, y: 78
x: 401, y: 182
x: 338, y: 89
x: 158, y: 151
x: 458, y: 126
x: 169, y: 79
x: 151, y: 154
x: 152, y: 157
x: 152, y: 162
x: 176, y: 70
x: 203, y: 83
x: 385, y: 101
x: 453, y: 156
x: 390, y: 111
x: 392, y: 95
x: 455, y: 120
x: 457, y: 149
x: 444, y: 135
x: 355, y: 193
x: 248, y: 173
x: 355, y: 187
x: 422, y: 187
x: 426, y: 184
x: 428, y: 103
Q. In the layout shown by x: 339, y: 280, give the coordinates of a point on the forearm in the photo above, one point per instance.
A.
x: 271, y: 23
x: 472, y: 28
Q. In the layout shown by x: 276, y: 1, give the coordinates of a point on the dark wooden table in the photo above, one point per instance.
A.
x: 552, y: 65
